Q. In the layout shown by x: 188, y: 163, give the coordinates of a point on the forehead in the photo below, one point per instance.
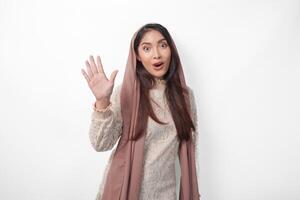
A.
x: 152, y: 36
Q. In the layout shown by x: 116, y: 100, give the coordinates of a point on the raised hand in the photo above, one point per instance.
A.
x: 97, y: 81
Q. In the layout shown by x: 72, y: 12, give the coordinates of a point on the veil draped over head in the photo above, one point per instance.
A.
x: 125, y: 173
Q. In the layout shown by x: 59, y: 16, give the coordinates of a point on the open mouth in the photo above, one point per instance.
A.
x: 158, y: 65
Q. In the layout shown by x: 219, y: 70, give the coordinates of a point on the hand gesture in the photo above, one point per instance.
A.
x: 97, y: 81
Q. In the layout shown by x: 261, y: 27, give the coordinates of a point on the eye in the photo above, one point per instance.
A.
x: 164, y: 44
x: 146, y: 48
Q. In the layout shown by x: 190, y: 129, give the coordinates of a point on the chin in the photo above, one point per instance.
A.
x: 158, y: 74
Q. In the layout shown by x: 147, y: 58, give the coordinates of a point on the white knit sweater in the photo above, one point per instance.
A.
x: 159, y: 181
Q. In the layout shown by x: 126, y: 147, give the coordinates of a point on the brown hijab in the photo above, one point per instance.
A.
x: 124, y: 176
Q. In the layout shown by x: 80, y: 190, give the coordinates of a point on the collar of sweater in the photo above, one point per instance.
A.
x: 159, y: 83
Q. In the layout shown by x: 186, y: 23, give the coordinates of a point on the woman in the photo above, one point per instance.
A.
x: 152, y: 114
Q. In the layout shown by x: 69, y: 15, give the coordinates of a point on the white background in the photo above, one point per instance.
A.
x: 241, y: 58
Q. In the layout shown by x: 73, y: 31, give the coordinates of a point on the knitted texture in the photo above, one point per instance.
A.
x: 161, y: 144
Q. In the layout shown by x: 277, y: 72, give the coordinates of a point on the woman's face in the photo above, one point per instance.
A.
x: 154, y: 53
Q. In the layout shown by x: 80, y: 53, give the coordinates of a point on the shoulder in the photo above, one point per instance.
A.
x: 192, y: 98
x: 189, y: 88
x: 190, y: 91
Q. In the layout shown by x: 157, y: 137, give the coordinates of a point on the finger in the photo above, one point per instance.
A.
x: 99, y: 63
x: 93, y: 65
x: 88, y: 68
x: 85, y: 75
x: 113, y: 76
x: 100, y: 67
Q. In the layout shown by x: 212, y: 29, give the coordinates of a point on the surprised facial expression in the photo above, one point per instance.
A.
x: 154, y: 53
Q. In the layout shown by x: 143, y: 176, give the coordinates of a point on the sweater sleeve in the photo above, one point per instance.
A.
x: 195, y: 133
x: 106, y: 125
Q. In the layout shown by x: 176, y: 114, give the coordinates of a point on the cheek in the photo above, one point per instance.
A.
x: 145, y: 59
x: 168, y: 54
x: 146, y: 56
x: 146, y: 62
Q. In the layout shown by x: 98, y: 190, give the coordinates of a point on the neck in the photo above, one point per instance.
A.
x: 159, y: 81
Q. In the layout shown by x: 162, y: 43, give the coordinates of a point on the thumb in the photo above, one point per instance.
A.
x: 113, y: 75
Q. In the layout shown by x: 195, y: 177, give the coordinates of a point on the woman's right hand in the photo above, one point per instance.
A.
x: 97, y: 81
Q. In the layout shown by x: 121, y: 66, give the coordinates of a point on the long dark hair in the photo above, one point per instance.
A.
x: 174, y: 90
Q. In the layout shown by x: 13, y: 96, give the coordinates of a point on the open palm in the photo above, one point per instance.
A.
x: 99, y: 84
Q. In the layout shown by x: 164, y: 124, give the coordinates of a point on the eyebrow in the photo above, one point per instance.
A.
x: 150, y: 43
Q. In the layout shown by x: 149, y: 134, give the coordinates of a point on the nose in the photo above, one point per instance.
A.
x: 156, y: 53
